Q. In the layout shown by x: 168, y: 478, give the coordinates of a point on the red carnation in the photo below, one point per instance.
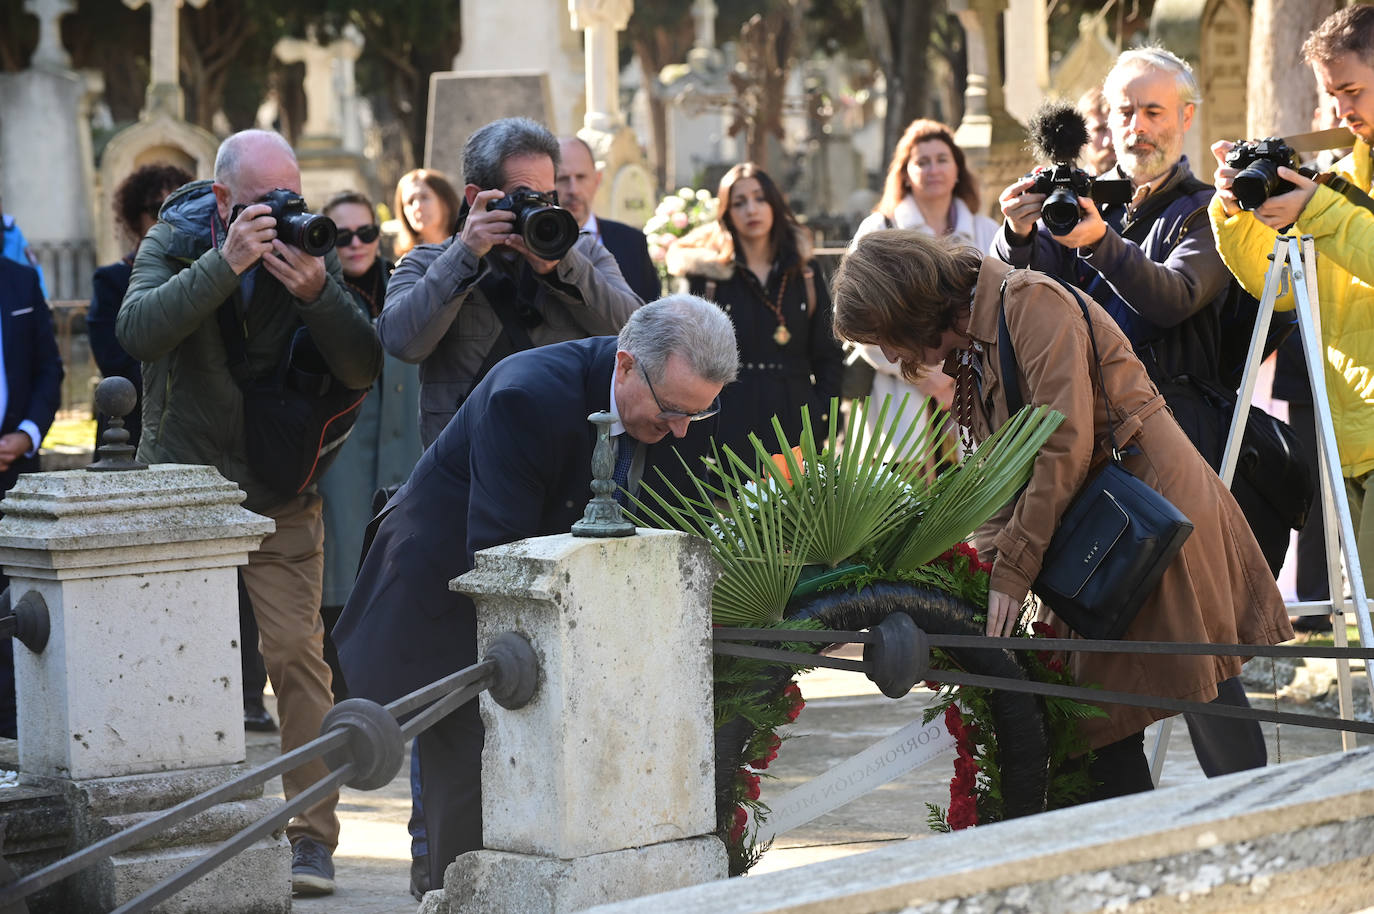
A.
x: 1042, y: 629
x: 769, y: 752
x: 751, y: 783
x: 965, y: 767
x: 793, y: 692
x: 963, y: 813
x: 737, y: 829
x: 954, y: 721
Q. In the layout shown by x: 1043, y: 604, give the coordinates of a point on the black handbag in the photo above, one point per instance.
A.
x: 296, y: 419
x: 1116, y: 538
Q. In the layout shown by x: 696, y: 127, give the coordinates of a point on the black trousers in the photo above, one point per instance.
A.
x: 1222, y: 744
x: 451, y: 787
x: 1227, y: 744
x: 1312, y: 583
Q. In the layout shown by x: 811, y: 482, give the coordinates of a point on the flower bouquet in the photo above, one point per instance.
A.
x: 838, y: 538
x: 676, y: 215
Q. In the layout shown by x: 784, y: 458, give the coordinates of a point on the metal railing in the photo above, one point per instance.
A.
x: 897, y: 656
x: 362, y: 742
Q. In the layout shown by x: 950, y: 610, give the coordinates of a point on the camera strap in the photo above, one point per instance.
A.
x: 503, y: 297
x: 1346, y: 189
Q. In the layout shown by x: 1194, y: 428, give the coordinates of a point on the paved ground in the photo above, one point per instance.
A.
x: 844, y: 715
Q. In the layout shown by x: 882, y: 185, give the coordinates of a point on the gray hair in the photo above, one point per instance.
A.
x: 1154, y: 58
x: 486, y: 151
x: 692, y: 327
x: 228, y: 158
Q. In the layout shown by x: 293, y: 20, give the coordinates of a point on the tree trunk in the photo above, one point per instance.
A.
x: 1281, y: 94
x: 650, y: 66
x: 900, y: 32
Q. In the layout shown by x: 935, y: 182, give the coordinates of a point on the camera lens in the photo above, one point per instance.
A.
x: 1059, y: 212
x: 311, y: 233
x: 549, y: 232
x: 1256, y: 183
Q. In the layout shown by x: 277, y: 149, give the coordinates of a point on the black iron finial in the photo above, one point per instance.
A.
x: 116, y: 398
x: 603, y: 517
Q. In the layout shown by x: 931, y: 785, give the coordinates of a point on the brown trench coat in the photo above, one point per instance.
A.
x: 1219, y: 589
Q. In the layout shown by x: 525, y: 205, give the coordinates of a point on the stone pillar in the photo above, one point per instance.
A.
x: 992, y: 140
x: 600, y: 789
x: 628, y: 194
x: 49, y: 53
x: 135, y: 704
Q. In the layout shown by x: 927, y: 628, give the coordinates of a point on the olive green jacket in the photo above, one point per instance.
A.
x: 192, y: 408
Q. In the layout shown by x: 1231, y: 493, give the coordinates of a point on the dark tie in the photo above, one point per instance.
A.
x: 624, y: 457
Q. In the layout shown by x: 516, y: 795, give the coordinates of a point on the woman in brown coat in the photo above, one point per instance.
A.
x: 925, y: 301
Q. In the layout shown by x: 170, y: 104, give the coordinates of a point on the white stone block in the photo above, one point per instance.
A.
x: 615, y: 750
x: 141, y: 672
x: 497, y: 882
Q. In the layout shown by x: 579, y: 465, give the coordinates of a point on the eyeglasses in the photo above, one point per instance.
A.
x: 672, y: 415
x: 366, y: 234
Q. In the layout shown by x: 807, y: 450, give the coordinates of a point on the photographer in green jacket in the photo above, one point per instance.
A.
x: 216, y: 242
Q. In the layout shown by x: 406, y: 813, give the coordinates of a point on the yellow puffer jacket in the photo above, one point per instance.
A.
x: 1344, y: 236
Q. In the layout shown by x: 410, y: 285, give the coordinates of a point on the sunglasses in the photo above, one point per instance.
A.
x: 366, y: 234
x: 672, y: 415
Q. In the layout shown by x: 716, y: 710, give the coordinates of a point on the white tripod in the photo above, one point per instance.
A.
x: 1293, y: 262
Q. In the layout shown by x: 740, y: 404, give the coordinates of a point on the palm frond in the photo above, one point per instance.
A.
x: 967, y: 495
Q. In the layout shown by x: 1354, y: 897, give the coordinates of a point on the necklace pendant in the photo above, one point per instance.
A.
x: 781, y: 336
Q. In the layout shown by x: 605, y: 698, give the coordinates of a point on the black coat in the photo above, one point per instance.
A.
x: 630, y: 249
x: 108, y: 286
x: 773, y: 379
x: 514, y: 462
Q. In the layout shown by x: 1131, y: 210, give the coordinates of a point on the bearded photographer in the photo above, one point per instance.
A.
x: 1341, y: 54
x: 459, y: 307
x: 1149, y: 259
x: 222, y: 245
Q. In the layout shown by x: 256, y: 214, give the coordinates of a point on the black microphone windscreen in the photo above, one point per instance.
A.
x: 1057, y: 132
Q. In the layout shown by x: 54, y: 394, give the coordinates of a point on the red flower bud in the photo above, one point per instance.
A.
x: 737, y: 828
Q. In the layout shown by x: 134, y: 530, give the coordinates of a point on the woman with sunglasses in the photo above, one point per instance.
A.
x: 385, y: 441
x: 755, y: 262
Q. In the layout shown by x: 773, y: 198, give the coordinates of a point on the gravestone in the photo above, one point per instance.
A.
x: 45, y: 155
x: 459, y: 103
x: 328, y: 162
x: 162, y: 135
x: 1087, y: 60
x: 528, y: 36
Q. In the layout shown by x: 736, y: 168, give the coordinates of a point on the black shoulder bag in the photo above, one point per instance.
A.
x: 294, y: 420
x: 1117, y: 536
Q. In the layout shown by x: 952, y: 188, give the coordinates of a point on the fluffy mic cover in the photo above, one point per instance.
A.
x: 1057, y: 132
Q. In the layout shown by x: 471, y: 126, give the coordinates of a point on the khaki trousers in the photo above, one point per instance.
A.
x: 1356, y: 492
x: 285, y: 578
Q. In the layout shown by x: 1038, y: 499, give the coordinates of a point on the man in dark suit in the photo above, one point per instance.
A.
x: 30, y: 395
x: 578, y: 181
x: 515, y: 462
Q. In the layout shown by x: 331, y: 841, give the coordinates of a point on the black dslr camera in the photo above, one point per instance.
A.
x: 1063, y: 184
x: 549, y: 231
x: 1259, y: 161
x: 1058, y: 132
x: 311, y: 233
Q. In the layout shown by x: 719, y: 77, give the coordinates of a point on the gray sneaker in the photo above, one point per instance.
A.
x: 312, y: 868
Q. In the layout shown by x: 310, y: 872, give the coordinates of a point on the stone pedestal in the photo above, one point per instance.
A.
x: 135, y: 704
x: 601, y: 788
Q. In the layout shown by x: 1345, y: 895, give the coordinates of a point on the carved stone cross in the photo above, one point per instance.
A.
x: 165, y: 47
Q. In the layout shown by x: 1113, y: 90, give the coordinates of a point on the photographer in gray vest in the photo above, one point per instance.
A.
x: 518, y: 274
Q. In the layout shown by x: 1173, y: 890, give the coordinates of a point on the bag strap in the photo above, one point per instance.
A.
x: 235, y: 338
x: 1007, y: 359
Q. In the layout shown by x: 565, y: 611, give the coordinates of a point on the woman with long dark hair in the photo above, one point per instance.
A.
x: 426, y: 208
x: 924, y: 302
x: 755, y: 262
